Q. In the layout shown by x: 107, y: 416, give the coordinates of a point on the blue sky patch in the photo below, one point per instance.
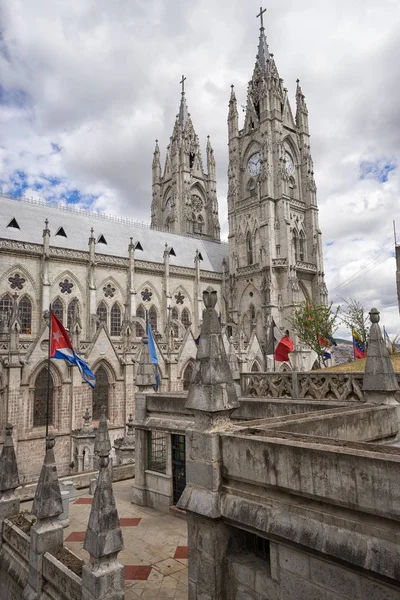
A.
x: 378, y: 170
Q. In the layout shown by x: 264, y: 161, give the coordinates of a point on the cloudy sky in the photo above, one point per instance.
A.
x: 86, y: 86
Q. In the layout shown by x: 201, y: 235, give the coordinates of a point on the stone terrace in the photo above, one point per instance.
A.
x: 155, y: 545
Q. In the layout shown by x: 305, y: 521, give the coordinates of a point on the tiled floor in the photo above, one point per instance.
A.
x: 155, y: 552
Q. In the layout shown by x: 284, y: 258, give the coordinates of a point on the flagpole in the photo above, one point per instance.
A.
x: 273, y: 342
x: 48, y: 376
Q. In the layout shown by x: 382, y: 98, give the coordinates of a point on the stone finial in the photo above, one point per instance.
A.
x: 212, y: 389
x: 48, y: 502
x: 380, y: 384
x: 130, y: 426
x: 86, y: 427
x: 145, y: 375
x: 9, y: 478
x: 102, y: 445
x: 103, y: 536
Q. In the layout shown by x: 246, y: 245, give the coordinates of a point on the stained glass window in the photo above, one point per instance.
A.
x: 142, y: 314
x: 6, y: 304
x: 25, y: 314
x: 40, y: 399
x: 72, y: 311
x: 100, y: 393
x: 153, y: 318
x: 58, y: 309
x: 185, y: 318
x: 101, y: 312
x: 115, y: 325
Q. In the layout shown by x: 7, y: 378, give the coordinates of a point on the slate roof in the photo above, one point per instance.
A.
x: 31, y: 215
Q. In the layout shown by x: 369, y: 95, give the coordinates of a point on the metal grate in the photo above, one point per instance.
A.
x: 157, y: 451
x: 178, y: 466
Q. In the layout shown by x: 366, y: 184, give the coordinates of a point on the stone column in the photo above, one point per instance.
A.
x: 9, y: 479
x: 131, y: 280
x: 197, y: 302
x: 380, y: 384
x: 211, y: 397
x: 103, y: 575
x: 90, y: 322
x: 45, y: 268
x: 47, y: 533
x: 125, y: 447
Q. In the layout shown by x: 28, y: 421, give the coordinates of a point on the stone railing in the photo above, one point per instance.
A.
x: 305, y: 266
x: 337, y: 386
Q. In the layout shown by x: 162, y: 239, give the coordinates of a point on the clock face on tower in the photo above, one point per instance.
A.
x: 289, y: 163
x: 254, y: 164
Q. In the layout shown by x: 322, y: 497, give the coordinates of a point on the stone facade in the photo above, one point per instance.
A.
x: 275, y: 247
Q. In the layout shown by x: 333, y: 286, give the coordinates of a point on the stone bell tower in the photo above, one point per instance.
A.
x: 275, y: 248
x: 184, y: 196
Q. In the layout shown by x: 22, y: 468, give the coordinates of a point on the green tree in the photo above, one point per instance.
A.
x: 354, y: 316
x: 315, y: 325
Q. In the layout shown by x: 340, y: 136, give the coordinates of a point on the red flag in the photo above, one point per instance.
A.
x: 283, y: 349
x: 59, y: 339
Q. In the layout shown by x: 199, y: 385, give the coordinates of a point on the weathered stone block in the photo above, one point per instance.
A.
x: 265, y: 586
x: 296, y: 588
x: 335, y: 578
x: 206, y: 475
x: 294, y: 561
x: 244, y: 571
x: 375, y: 591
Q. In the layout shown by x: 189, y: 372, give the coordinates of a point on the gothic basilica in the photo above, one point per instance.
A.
x: 103, y: 274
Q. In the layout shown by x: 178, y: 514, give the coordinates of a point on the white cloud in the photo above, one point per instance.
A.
x: 100, y: 81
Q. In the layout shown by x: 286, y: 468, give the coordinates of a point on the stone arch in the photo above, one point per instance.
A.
x: 304, y: 291
x: 18, y: 268
x: 255, y: 367
x: 114, y: 283
x: 188, y: 298
x: 246, y: 299
x: 153, y: 318
x: 101, y: 392
x: 187, y: 373
x: 72, y: 310
x: 186, y: 317
x: 43, y: 392
x: 67, y: 274
x: 252, y: 147
x: 285, y: 367
x: 289, y: 144
x: 154, y: 294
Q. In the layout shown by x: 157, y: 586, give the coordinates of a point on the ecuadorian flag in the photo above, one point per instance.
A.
x: 358, y: 346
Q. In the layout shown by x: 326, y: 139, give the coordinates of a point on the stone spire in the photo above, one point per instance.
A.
x: 48, y: 502
x: 9, y: 478
x: 212, y: 389
x: 145, y: 375
x: 263, y: 51
x: 156, y: 164
x: 103, y: 575
x: 183, y: 115
x: 380, y: 384
x: 301, y: 109
x: 233, y: 116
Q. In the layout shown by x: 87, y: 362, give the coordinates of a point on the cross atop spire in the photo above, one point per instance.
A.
x: 260, y: 14
x: 182, y: 82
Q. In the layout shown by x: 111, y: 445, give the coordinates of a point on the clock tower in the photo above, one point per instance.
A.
x: 184, y: 196
x: 275, y: 249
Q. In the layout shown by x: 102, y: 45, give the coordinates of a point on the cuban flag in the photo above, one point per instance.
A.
x: 61, y: 347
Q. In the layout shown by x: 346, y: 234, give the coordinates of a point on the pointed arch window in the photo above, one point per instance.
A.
x: 187, y: 376
x: 72, y: 313
x: 58, y: 309
x: 25, y: 314
x: 140, y: 312
x: 101, y: 312
x: 296, y: 245
x: 153, y: 318
x: 302, y: 239
x: 100, y: 393
x: 249, y: 248
x: 6, y: 304
x: 40, y: 399
x: 175, y: 317
x: 198, y: 224
x: 115, y: 320
x: 252, y: 317
x: 185, y: 318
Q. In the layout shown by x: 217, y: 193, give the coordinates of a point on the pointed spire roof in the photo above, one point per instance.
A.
x: 47, y: 502
x: 300, y: 98
x: 263, y: 50
x: 183, y: 115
